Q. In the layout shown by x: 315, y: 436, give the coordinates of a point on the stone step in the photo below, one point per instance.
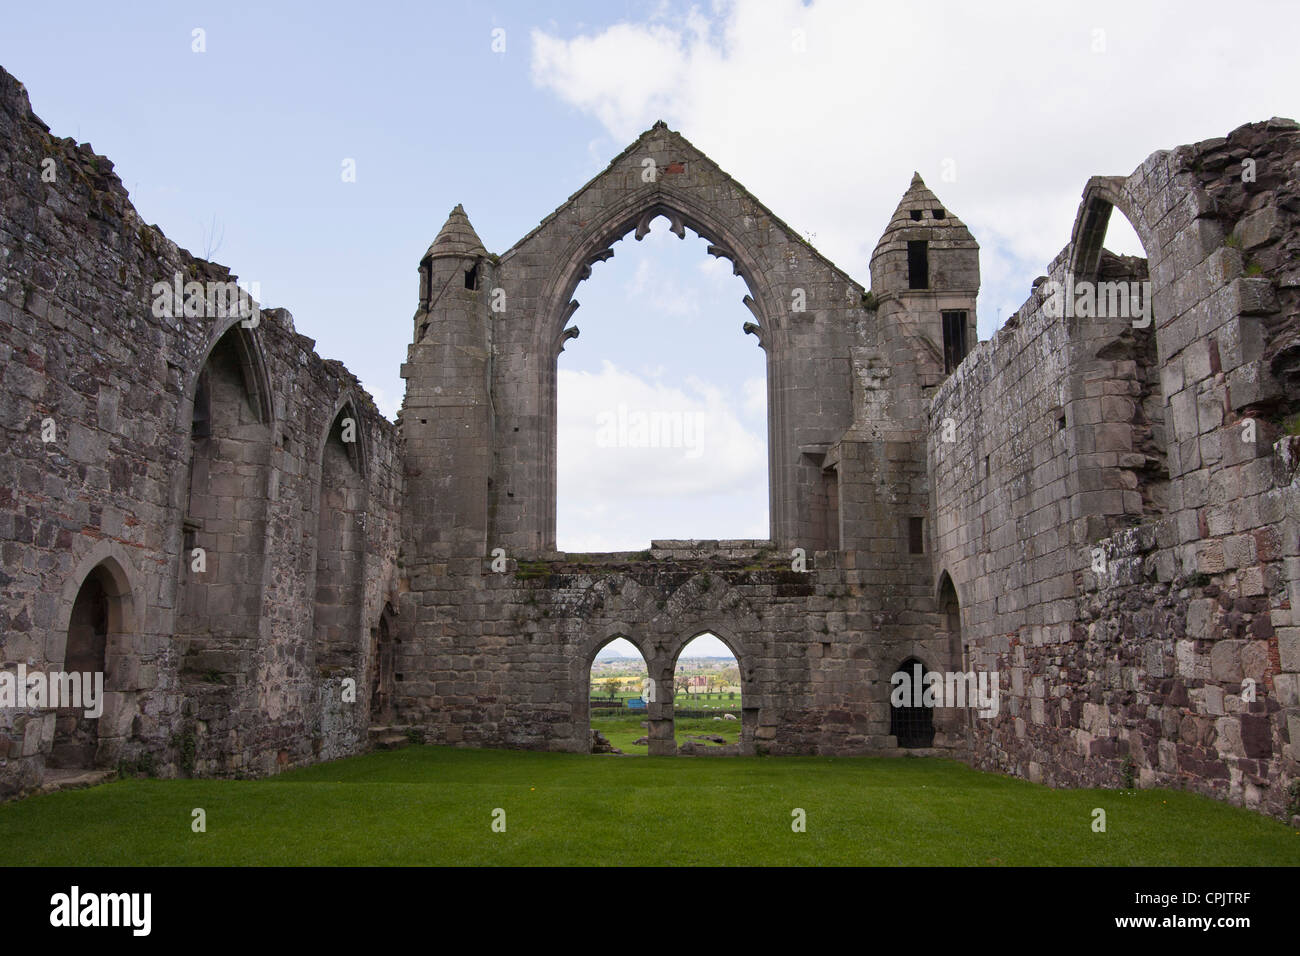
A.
x: 56, y: 780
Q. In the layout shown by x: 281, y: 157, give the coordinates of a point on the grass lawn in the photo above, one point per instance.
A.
x: 434, y: 805
x: 686, y: 726
x: 622, y: 731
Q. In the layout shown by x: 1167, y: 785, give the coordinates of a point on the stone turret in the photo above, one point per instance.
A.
x: 925, y: 275
x: 446, y: 417
x: 457, y: 249
x: 952, y: 252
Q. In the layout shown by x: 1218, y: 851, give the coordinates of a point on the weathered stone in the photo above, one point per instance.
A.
x: 1070, y: 501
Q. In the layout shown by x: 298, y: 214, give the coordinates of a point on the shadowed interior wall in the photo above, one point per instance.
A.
x: 221, y: 604
x: 340, y: 553
x: 76, y: 736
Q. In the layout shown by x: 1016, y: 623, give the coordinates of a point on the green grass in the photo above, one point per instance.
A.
x: 685, y: 726
x: 622, y: 731
x: 433, y: 805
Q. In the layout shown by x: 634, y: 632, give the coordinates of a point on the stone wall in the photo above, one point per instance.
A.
x: 212, y: 671
x: 503, y: 658
x: 1124, y: 548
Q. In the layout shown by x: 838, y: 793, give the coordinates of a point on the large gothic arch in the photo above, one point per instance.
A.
x: 805, y: 314
x: 594, y: 244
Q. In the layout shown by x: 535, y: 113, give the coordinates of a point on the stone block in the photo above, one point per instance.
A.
x: 1288, y: 648
x: 1225, y: 661
x: 1287, y: 689
x: 1258, y: 228
x: 1201, y: 616
x: 1228, y: 737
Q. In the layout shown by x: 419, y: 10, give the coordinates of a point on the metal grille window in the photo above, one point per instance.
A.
x: 913, y: 726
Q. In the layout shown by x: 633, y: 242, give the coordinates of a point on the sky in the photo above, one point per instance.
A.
x: 232, y: 125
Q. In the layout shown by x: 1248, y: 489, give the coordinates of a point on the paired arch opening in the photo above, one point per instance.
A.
x: 691, y: 703
x: 708, y: 699
x: 618, y: 697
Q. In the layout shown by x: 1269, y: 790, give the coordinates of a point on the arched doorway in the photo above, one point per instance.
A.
x: 909, y: 719
x: 617, y: 693
x: 97, y: 613
x: 708, y: 698
x: 952, y: 719
x: 381, y: 669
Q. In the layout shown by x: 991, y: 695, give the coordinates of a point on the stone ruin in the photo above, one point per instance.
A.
x: 1099, y: 505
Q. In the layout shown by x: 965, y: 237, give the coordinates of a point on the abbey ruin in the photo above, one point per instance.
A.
x: 1100, y: 504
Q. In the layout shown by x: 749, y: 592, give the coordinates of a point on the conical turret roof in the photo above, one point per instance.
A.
x: 920, y: 215
x: 456, y: 238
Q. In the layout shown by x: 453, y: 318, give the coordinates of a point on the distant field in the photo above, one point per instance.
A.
x: 695, y: 701
x: 434, y: 806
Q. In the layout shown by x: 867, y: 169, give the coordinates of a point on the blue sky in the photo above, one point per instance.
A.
x: 823, y: 110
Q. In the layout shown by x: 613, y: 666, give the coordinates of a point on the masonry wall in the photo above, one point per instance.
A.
x: 485, y: 659
x: 503, y: 659
x: 1127, y: 627
x: 233, y: 685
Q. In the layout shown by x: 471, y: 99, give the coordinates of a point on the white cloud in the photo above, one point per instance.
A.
x: 755, y: 402
x: 707, y: 477
x: 1015, y: 95
x: 650, y: 439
